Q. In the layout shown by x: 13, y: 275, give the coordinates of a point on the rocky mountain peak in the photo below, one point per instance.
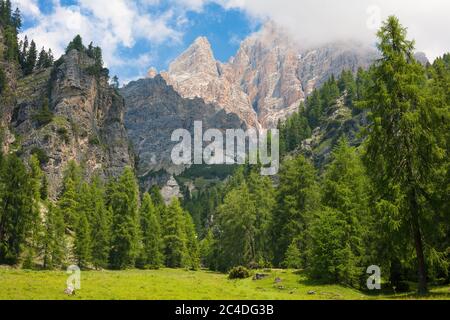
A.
x: 197, y: 59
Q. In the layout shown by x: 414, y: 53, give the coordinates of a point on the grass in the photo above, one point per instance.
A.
x: 169, y: 284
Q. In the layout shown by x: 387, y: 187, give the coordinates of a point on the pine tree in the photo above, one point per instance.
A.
x: 297, y: 197
x: 31, y: 59
x: 174, y: 239
x: 68, y: 203
x: 53, y: 243
x: 236, y: 224
x: 76, y: 44
x: 100, y: 226
x: 82, y: 244
x: 346, y: 191
x: 192, y: 245
x: 125, y: 225
x: 401, y: 147
x: 36, y: 176
x: 151, y: 256
x: 16, y: 209
x: 293, y: 259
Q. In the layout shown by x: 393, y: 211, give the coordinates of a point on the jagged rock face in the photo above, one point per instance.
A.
x: 318, y: 65
x: 154, y: 111
x: 266, y: 69
x: 267, y: 79
x: 87, y: 125
x: 196, y: 74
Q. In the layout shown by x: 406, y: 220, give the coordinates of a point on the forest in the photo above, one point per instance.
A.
x: 382, y: 199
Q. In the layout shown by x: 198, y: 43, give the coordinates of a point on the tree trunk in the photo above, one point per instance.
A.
x: 417, y: 235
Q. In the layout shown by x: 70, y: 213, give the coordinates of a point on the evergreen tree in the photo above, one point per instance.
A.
x: 76, y: 44
x: 293, y: 259
x: 174, y: 239
x: 68, y: 203
x: 82, y: 244
x: 151, y: 256
x: 31, y: 59
x: 236, y: 224
x: 402, y: 149
x: 346, y: 191
x: 100, y: 226
x: 192, y: 245
x: 16, y: 209
x: 53, y: 243
x: 125, y: 224
x: 297, y: 196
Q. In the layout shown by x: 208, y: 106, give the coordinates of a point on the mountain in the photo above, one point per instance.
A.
x: 267, y: 79
x: 196, y: 73
x: 66, y: 113
x: 154, y: 111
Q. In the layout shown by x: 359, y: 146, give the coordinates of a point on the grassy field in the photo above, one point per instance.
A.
x: 168, y: 284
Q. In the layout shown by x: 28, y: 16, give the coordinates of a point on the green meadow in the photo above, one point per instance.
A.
x: 178, y: 284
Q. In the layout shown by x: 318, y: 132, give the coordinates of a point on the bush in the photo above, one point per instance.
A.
x: 41, y: 155
x: 239, y: 273
x: 45, y: 116
x: 64, y: 134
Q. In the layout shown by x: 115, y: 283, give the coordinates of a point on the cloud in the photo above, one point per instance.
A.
x: 112, y: 24
x: 29, y: 8
x: 315, y: 22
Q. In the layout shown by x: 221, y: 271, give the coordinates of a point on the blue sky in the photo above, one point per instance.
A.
x: 225, y: 28
x: 138, y: 34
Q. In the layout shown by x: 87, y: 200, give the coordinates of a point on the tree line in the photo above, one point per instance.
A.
x: 93, y: 224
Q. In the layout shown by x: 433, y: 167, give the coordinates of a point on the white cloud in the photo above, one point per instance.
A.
x: 28, y: 8
x: 321, y: 21
x: 109, y: 23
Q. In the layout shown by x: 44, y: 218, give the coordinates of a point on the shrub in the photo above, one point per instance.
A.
x: 64, y: 134
x: 44, y: 116
x: 41, y: 155
x: 239, y: 273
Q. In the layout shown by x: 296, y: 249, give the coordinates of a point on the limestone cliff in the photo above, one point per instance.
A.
x: 83, y: 122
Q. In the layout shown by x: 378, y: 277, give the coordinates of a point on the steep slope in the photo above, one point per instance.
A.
x: 68, y: 113
x: 196, y: 73
x: 154, y: 111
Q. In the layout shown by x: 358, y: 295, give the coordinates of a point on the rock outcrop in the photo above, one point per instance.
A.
x: 86, y: 122
x: 154, y: 110
x: 196, y: 74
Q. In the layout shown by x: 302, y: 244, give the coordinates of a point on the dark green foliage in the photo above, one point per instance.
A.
x: 175, y: 250
x: 192, y: 260
x: 294, y: 131
x: 151, y: 255
x: 125, y: 223
x: 297, y: 196
x: 10, y: 23
x: 31, y: 59
x: 45, y: 59
x: 239, y: 273
x: 242, y: 222
x: 338, y: 255
x: 45, y: 115
x: 53, y: 243
x: 404, y: 149
x: 100, y: 223
x: 16, y: 209
x: 76, y: 44
x: 82, y: 244
x: 3, y: 81
x: 41, y: 155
